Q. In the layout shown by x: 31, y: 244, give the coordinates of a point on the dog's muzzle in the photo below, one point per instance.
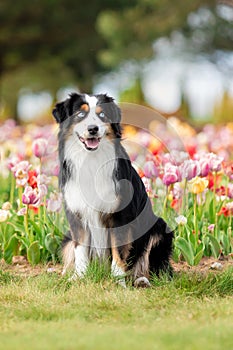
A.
x: 91, y: 142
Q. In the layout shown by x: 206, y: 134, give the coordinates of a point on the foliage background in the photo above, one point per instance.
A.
x: 47, y: 44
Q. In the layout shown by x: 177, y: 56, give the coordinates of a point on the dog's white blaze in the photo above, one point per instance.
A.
x: 91, y: 189
x: 92, y: 119
x: 91, y: 100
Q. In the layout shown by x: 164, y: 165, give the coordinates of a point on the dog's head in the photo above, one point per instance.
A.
x: 90, y: 118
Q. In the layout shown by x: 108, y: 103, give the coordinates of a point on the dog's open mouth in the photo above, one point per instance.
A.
x: 91, y: 143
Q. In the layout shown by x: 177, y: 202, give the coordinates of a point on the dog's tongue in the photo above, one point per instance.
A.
x: 92, y: 143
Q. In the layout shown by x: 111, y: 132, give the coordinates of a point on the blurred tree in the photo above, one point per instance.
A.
x: 48, y: 43
x: 130, y: 33
x: 134, y: 94
x: 44, y: 41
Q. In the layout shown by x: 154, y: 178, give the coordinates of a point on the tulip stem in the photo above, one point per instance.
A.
x: 20, y: 194
x: 184, y: 197
x: 195, y: 217
x: 26, y: 223
x: 214, y: 190
x: 165, y: 202
x: 12, y: 191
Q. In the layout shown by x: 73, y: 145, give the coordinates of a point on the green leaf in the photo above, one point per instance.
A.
x: 186, y: 249
x: 18, y: 227
x: 51, y: 243
x: 176, y: 254
x: 215, y: 246
x: 225, y: 239
x: 36, y: 227
x: 11, y: 249
x: 33, y: 253
x: 199, y: 254
x: 211, y: 211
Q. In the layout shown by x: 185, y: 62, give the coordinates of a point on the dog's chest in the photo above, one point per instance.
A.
x: 90, y: 191
x: 91, y: 187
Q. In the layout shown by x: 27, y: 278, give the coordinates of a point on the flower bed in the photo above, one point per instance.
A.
x: 189, y: 178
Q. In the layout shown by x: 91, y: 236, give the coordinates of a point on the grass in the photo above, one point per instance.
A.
x: 192, y: 311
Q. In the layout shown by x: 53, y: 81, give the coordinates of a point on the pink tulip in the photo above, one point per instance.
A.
x: 21, y: 166
x: 178, y: 157
x: 39, y: 147
x: 43, y: 179
x: 204, y: 167
x: 34, y: 196
x: 190, y: 169
x: 211, y: 227
x: 12, y: 161
x: 30, y: 196
x: 215, y: 162
x: 171, y: 174
x: 150, y: 170
x: 22, y: 211
x: 230, y: 190
x: 54, y: 203
x: 20, y: 171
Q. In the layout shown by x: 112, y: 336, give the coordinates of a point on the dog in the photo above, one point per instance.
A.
x: 106, y: 204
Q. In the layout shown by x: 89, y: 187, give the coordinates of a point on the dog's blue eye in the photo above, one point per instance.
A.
x: 81, y: 114
x: 101, y: 115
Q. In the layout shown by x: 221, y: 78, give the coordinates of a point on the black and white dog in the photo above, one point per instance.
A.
x: 108, y: 210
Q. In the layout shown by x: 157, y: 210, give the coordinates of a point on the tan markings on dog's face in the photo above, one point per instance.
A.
x: 84, y: 108
x: 98, y: 110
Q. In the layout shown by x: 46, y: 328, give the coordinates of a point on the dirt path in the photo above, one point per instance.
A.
x: 20, y: 266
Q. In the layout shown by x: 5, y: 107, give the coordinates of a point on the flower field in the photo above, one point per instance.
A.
x: 189, y: 178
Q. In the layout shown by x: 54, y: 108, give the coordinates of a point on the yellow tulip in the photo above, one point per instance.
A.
x: 197, y: 185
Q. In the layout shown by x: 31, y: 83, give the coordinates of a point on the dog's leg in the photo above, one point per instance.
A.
x: 141, y: 269
x: 118, y: 268
x: 81, y: 261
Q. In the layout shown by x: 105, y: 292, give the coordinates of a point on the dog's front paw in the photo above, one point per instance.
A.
x: 73, y: 278
x: 142, y: 282
x: 121, y: 282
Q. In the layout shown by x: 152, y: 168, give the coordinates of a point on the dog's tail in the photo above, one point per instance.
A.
x: 67, y: 252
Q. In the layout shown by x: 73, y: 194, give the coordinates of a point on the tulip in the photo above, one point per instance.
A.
x: 43, y: 179
x: 12, y: 161
x: 198, y: 185
x: 190, y: 169
x: 215, y: 162
x: 211, y: 227
x: 228, y: 170
x: 39, y: 147
x: 20, y: 171
x: 230, y: 190
x: 32, y: 178
x: 204, y: 167
x: 54, y: 203
x: 171, y: 174
x: 4, y: 215
x: 150, y: 169
x: 7, y: 206
x: 181, y: 220
x: 34, y: 196
x: 22, y: 211
x: 178, y: 157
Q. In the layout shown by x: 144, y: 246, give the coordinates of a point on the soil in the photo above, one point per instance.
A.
x: 20, y: 266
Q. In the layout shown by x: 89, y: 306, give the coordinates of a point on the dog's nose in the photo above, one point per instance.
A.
x: 93, y: 129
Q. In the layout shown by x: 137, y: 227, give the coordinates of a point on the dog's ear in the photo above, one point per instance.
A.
x: 65, y: 109
x: 116, y: 127
x: 61, y: 111
x: 115, y: 115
